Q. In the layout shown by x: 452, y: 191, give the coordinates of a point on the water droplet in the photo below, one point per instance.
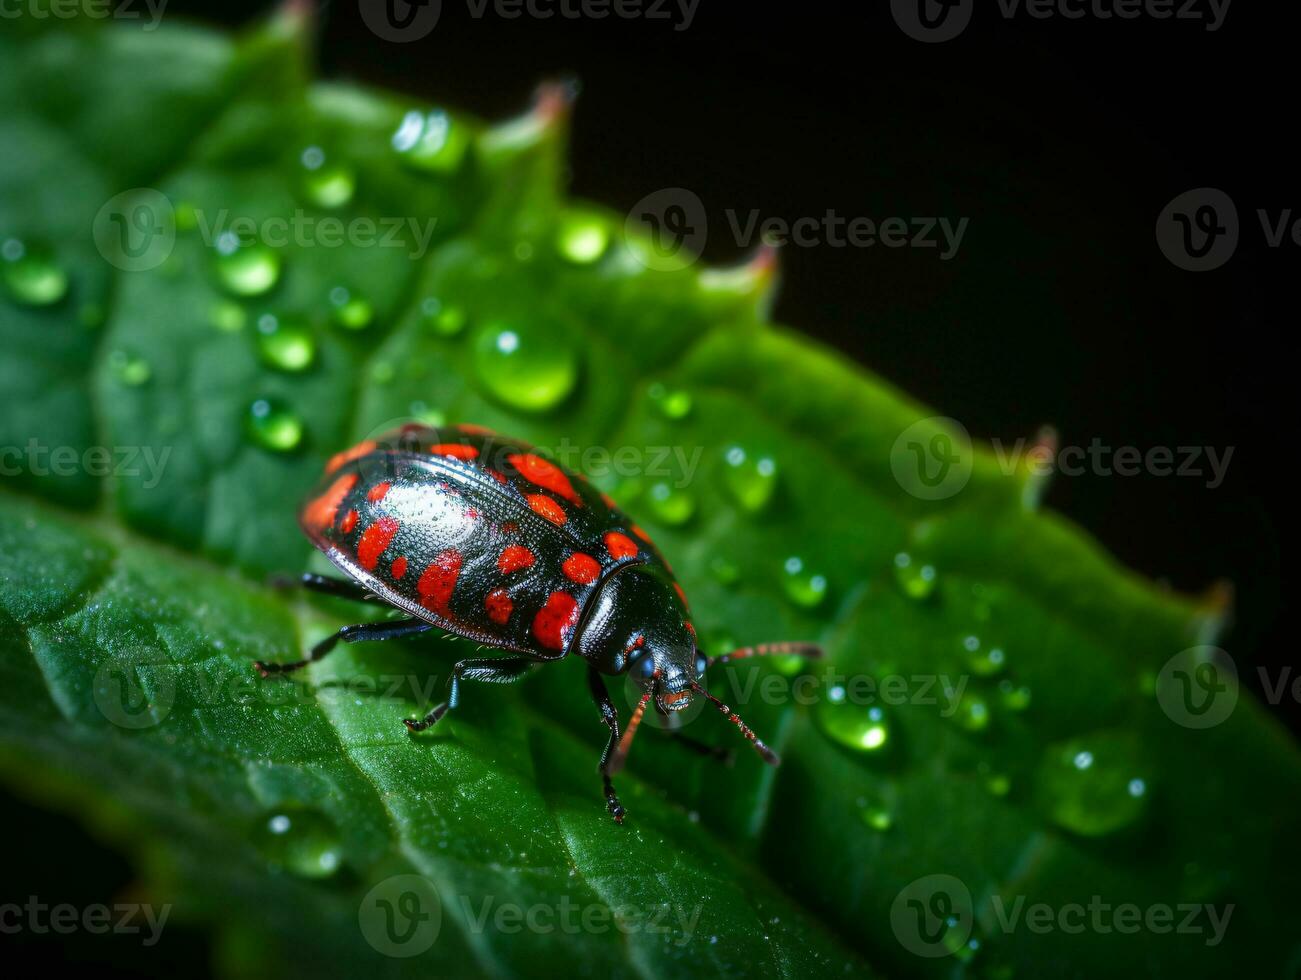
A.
x: 274, y: 426
x: 443, y: 319
x: 523, y: 369
x: 750, y: 478
x: 523, y: 251
x: 984, y: 661
x: 671, y: 505
x: 285, y: 344
x: 803, y: 587
x: 227, y: 316
x: 129, y: 369
x: 327, y: 185
x: 383, y: 372
x: 725, y: 571
x: 673, y: 403
x: 916, y: 579
x: 1014, y: 697
x: 350, y: 310
x: 582, y: 239
x: 875, y: 814
x: 431, y: 141
x: 31, y: 275
x: 996, y: 783
x: 246, y: 270
x: 863, y: 728
x: 1094, y: 785
x: 972, y: 713
x: 302, y: 841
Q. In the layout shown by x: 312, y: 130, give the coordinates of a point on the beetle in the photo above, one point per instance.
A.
x: 480, y: 536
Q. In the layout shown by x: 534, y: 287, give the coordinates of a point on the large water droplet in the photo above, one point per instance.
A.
x: 302, y: 841
x: 246, y: 270
x: 129, y: 369
x: 444, y: 319
x: 671, y: 505
x: 982, y: 659
x: 916, y: 579
x: 523, y: 369
x: 285, y: 344
x: 274, y: 426
x: 673, y: 403
x: 863, y: 728
x: 431, y: 141
x: 803, y: 587
x: 1094, y: 785
x: 31, y: 275
x: 350, y: 310
x: 751, y: 478
x: 327, y: 185
x: 582, y: 238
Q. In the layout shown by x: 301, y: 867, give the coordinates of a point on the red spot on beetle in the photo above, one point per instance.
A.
x: 374, y: 540
x: 556, y: 620
x: 474, y: 430
x: 376, y: 493
x: 581, y: 568
x: 641, y: 533
x: 455, y: 450
x: 690, y: 629
x: 399, y: 566
x: 547, y: 508
x: 681, y: 595
x: 546, y: 475
x: 619, y: 545
x: 499, y: 606
x: 349, y: 522
x: 514, y: 557
x: 439, y: 580
x: 609, y: 501
x: 348, y: 455
x: 497, y: 475
x: 320, y: 513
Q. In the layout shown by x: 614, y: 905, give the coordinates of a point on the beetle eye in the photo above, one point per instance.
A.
x: 645, y: 668
x: 701, y: 664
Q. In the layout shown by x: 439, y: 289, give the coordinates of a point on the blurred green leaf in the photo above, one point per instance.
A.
x: 161, y: 424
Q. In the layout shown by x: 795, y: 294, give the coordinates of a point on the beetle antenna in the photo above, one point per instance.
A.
x: 620, y: 754
x: 765, y: 753
x: 810, y: 650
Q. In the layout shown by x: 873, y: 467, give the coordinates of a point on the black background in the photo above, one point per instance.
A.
x: 1060, y: 140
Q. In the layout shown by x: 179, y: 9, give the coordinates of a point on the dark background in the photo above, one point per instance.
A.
x: 1060, y: 140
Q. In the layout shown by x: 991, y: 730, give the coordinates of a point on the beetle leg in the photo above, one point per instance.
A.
x: 601, y: 695
x: 491, y: 670
x: 342, y: 588
x: 810, y: 650
x: 391, y: 630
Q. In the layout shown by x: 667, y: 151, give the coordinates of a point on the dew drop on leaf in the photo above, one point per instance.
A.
x: 972, y: 714
x: 750, y: 478
x: 1014, y: 697
x: 863, y: 728
x: 522, y: 368
x: 129, y: 369
x: 274, y: 426
x: 285, y: 344
x: 302, y: 841
x: 671, y: 505
x: 31, y: 276
x: 983, y: 660
x: 582, y: 238
x: 803, y: 587
x: 327, y: 185
x: 875, y: 814
x: 1094, y: 785
x: 724, y: 570
x: 916, y: 579
x: 350, y: 310
x: 672, y: 403
x: 443, y: 319
x: 246, y: 270
x: 227, y: 316
x: 431, y: 141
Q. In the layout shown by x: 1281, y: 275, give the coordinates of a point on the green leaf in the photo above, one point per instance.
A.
x: 145, y: 507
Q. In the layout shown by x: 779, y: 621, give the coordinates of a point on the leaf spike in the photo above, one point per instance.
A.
x: 1038, y: 466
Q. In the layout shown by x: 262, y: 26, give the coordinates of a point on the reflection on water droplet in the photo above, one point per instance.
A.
x: 863, y: 728
x: 916, y: 579
x: 245, y: 270
x: 522, y: 368
x: 751, y: 478
x: 1014, y: 697
x: 327, y: 185
x: 431, y: 141
x: 582, y: 239
x: 984, y: 661
x: 673, y: 403
x: 274, y: 426
x: 875, y: 814
x: 671, y: 505
x: 285, y: 344
x: 1094, y: 785
x: 972, y: 713
x: 443, y: 319
x: 350, y: 310
x: 302, y: 841
x: 803, y: 587
x: 129, y: 369
x: 227, y: 316
x: 996, y: 783
x: 31, y: 275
